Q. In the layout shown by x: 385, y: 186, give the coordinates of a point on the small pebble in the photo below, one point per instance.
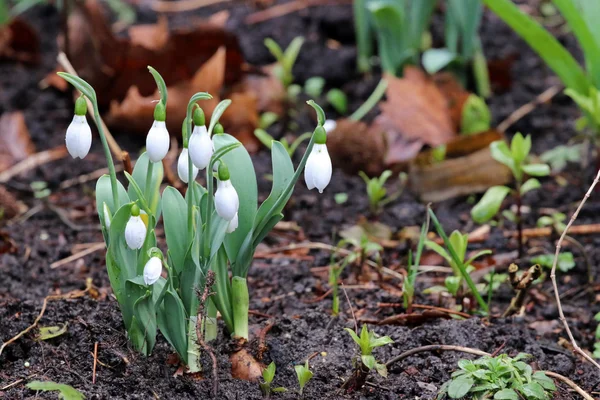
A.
x: 27, y: 364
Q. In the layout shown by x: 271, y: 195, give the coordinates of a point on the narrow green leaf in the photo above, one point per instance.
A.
x: 49, y: 332
x: 537, y: 169
x: 489, y: 205
x: 160, y: 83
x: 80, y: 85
x: 529, y: 185
x: 67, y: 392
x: 217, y: 113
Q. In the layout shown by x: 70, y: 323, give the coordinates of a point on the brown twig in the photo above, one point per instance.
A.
x: 262, y: 337
x: 589, y: 229
x: 92, y: 249
x: 161, y: 6
x: 210, y: 281
x: 33, y: 161
x: 351, y: 308
x: 425, y: 307
x: 70, y: 295
x: 112, y: 143
x: 553, y: 272
x: 92, y: 176
x: 525, y: 109
x: 442, y: 347
x: 126, y: 160
x: 521, y: 285
x: 287, y: 8
x: 95, y: 362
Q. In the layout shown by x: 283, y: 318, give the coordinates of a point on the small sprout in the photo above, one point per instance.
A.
x: 265, y: 386
x: 566, y: 262
x: 561, y: 155
x: 285, y: 59
x: 313, y: 86
x: 500, y: 377
x: 368, y: 341
x: 304, y: 375
x: 40, y: 189
x: 66, y: 392
x: 340, y: 198
x: 267, y: 119
x: 377, y: 192
x: 338, y: 100
x: 476, y: 116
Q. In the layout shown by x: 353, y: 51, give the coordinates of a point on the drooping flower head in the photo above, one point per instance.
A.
x: 233, y: 224
x: 152, y: 270
x: 183, y: 167
x: 158, y: 140
x: 317, y: 172
x: 200, y: 145
x: 135, y: 230
x: 227, y: 201
x: 79, y: 134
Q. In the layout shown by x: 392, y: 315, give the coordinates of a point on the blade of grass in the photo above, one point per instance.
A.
x: 458, y: 262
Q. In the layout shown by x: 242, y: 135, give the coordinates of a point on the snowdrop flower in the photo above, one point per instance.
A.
x: 329, y: 125
x: 317, y: 172
x: 152, y: 270
x: 227, y: 201
x: 200, y: 145
x: 233, y: 224
x: 135, y: 230
x: 79, y: 133
x: 183, y: 167
x: 158, y: 141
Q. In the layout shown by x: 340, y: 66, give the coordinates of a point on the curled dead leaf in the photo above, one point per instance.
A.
x: 244, y: 366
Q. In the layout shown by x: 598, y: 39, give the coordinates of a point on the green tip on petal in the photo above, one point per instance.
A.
x: 135, y: 210
x: 218, y: 129
x: 160, y: 112
x: 80, y: 106
x: 320, y: 135
x: 155, y: 252
x: 199, y: 118
x: 223, y: 171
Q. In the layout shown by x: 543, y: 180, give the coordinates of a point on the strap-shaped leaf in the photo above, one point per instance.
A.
x: 145, y: 315
x: 217, y: 113
x: 104, y: 195
x: 80, y: 85
x: 139, y: 174
x: 175, y: 223
x: 172, y: 323
x: 133, y: 185
x: 222, y: 288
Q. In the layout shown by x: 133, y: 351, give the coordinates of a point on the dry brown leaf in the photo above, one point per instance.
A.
x: 244, y: 366
x: 415, y: 113
x: 55, y: 81
x: 113, y: 64
x: 150, y: 36
x: 269, y: 90
x: 17, y: 144
x: 455, y: 96
x: 19, y: 42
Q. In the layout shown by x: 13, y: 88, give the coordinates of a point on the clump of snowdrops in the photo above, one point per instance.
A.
x: 208, y: 229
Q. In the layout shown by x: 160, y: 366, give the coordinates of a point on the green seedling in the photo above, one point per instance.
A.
x: 40, y: 189
x: 304, y: 375
x: 457, y: 243
x: 561, y: 155
x: 517, y: 159
x: 367, y: 342
x: 313, y: 86
x: 65, y: 392
x: 341, y: 198
x: 265, y: 386
x: 285, y: 59
x: 500, y: 377
x: 360, y: 251
x: 408, y: 285
x: 267, y: 119
x: 555, y: 220
x: 377, y: 192
x: 566, y: 261
x: 290, y: 148
x: 338, y: 100
x: 476, y: 116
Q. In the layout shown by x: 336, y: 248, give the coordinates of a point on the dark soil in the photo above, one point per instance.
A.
x: 282, y: 287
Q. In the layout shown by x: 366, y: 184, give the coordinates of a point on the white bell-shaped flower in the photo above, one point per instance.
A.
x: 182, y: 167
x: 201, y: 147
x: 329, y: 125
x: 79, y: 137
x: 157, y: 141
x: 227, y: 201
x: 233, y: 224
x: 317, y: 172
x: 152, y: 270
x: 135, y: 230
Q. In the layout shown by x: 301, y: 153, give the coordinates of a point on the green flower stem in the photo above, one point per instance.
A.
x: 371, y: 101
x: 241, y: 303
x: 210, y: 321
x: 111, y: 165
x: 147, y: 190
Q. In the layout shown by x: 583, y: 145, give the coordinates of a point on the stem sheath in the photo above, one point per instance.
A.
x: 241, y: 303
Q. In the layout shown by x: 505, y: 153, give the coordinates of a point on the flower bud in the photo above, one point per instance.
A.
x: 79, y: 134
x: 135, y: 230
x: 233, y: 224
x: 157, y: 141
x: 152, y: 270
x: 201, y: 147
x: 218, y: 129
x: 182, y: 167
x: 227, y: 201
x: 317, y: 172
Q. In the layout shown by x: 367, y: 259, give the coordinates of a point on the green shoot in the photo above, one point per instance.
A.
x: 65, y: 392
x: 500, y: 377
x: 267, y: 119
x: 377, y: 192
x: 408, y: 286
x: 285, y: 59
x: 338, y: 100
x: 265, y: 386
x: 313, y: 87
x: 267, y: 140
x: 561, y: 155
x: 476, y: 116
x: 368, y: 341
x: 304, y: 375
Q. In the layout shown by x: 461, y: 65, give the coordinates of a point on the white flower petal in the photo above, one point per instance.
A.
x: 233, y: 224
x: 329, y: 125
x: 79, y: 137
x: 182, y: 167
x: 152, y: 270
x: 227, y: 201
x: 135, y: 233
x: 317, y: 172
x: 157, y: 141
x: 201, y: 147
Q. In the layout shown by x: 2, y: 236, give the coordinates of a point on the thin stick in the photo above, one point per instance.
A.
x: 112, y: 143
x: 183, y: 5
x: 92, y: 249
x: 553, y: 273
x: 351, y: 309
x: 570, y: 383
x: 70, y: 295
x: 525, y: 109
x: 95, y: 362
x: 92, y: 176
x: 33, y: 161
x: 442, y: 347
x: 288, y: 8
x: 588, y: 229
x: 210, y: 281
